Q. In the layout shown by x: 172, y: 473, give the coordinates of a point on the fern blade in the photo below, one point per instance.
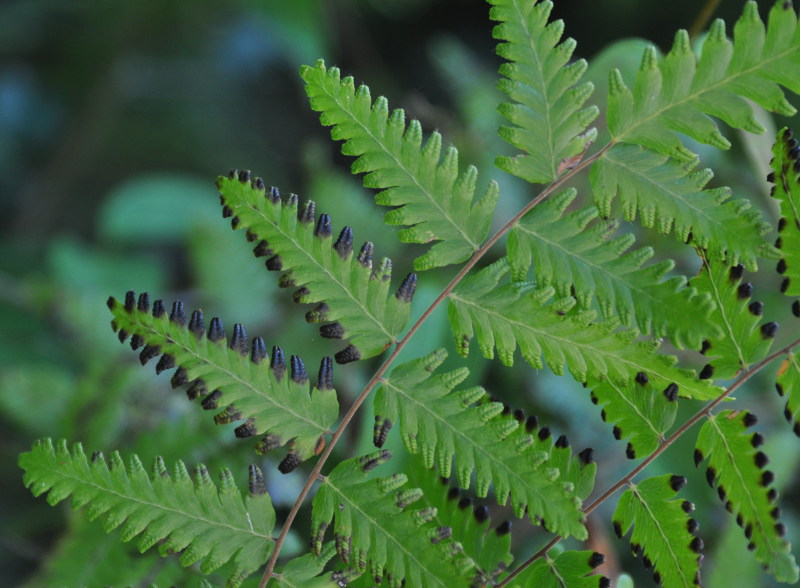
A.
x: 786, y: 178
x: 570, y: 568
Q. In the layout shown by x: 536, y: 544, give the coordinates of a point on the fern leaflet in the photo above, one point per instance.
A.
x: 549, y: 123
x: 786, y: 177
x: 570, y: 568
x: 353, y: 296
x: 573, y: 255
x: 668, y: 195
x: 663, y: 533
x: 235, y: 375
x: 677, y: 93
x: 438, y: 422
x: 430, y: 194
x: 736, y: 465
x: 788, y: 384
x: 504, y: 316
x: 306, y: 571
x: 209, y: 525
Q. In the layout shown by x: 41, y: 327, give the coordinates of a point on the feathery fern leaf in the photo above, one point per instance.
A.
x: 548, y: 118
x: 742, y: 342
x: 677, y: 93
x: 438, y: 422
x: 512, y: 314
x: 786, y: 177
x: 736, y: 465
x: 234, y: 376
x: 306, y: 571
x: 663, y: 533
x: 209, y: 525
x: 668, y: 195
x: 573, y: 255
x: 373, y: 523
x: 637, y: 410
x: 788, y: 384
x: 570, y: 568
x: 430, y: 194
x: 354, y: 296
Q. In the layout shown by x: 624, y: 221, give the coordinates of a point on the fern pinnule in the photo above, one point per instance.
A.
x: 351, y: 295
x: 785, y: 176
x: 236, y: 377
x: 575, y: 569
x: 787, y: 385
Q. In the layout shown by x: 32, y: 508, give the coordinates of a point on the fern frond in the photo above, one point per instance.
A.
x: 207, y: 524
x: 788, y: 385
x: 438, y: 422
x: 235, y: 375
x: 677, y: 94
x: 574, y: 255
x: 513, y: 314
x: 639, y: 411
x: 786, y: 177
x: 373, y: 524
x: 669, y: 196
x: 326, y: 272
x: 737, y: 466
x: 570, y: 568
x: 548, y: 118
x: 306, y: 571
x: 432, y: 197
x: 742, y: 341
x: 663, y: 533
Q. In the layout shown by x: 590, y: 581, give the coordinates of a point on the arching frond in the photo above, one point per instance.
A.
x: 663, y: 534
x: 427, y: 188
x: 639, y: 411
x: 575, y: 255
x: 376, y: 531
x: 353, y: 295
x: 207, y: 524
x: 736, y: 465
x: 786, y: 177
x: 788, y: 385
x: 517, y: 458
x: 504, y: 316
x: 742, y: 341
x: 233, y: 375
x: 548, y: 118
x: 670, y: 196
x: 570, y: 568
x: 677, y: 94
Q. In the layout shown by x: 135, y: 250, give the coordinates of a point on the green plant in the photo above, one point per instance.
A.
x: 570, y: 294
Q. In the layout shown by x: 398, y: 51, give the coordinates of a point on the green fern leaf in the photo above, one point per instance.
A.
x: 668, y: 195
x: 575, y: 256
x: 742, y: 342
x: 663, y: 533
x: 272, y: 403
x: 637, y: 410
x: 788, y: 385
x: 306, y: 571
x: 513, y: 314
x: 786, y: 177
x: 677, y: 93
x: 207, y: 524
x: 570, y: 568
x: 736, y: 465
x: 373, y: 523
x: 430, y: 194
x: 355, y: 296
x: 548, y: 118
x: 438, y: 422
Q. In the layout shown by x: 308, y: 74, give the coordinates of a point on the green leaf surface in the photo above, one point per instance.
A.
x: 272, y: 403
x: 513, y: 314
x: 425, y: 186
x: 680, y: 92
x: 570, y: 568
x: 788, y: 385
x: 207, y: 524
x: 548, y: 118
x: 576, y: 255
x: 786, y: 177
x: 737, y: 466
x: 306, y: 571
x: 670, y: 196
x: 439, y: 422
x: 663, y: 533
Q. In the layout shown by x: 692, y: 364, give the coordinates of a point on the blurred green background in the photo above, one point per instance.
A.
x: 115, y: 119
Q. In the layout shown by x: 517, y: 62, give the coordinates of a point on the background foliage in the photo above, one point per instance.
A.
x: 113, y: 122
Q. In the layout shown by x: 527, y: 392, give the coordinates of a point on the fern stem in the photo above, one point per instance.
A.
x: 703, y: 412
x: 400, y: 345
x: 703, y: 17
